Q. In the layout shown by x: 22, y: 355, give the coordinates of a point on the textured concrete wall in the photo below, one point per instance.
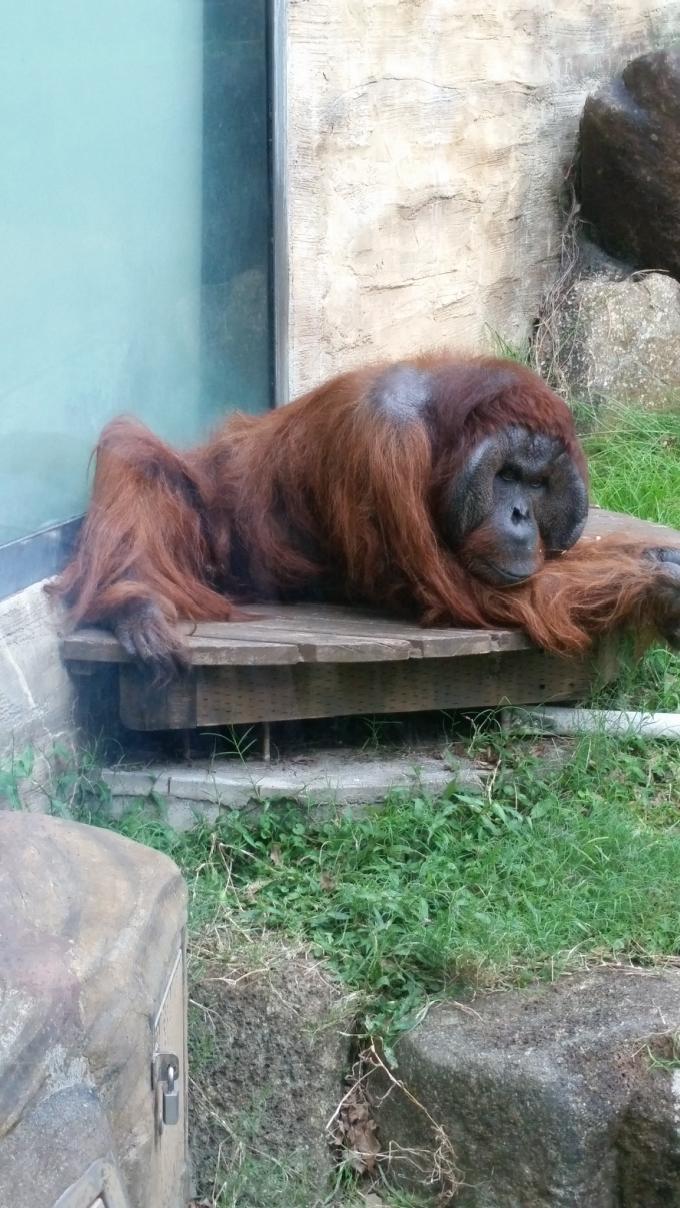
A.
x: 36, y: 700
x: 426, y: 145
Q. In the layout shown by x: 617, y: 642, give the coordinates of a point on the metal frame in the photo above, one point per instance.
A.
x: 280, y: 268
x: 39, y: 556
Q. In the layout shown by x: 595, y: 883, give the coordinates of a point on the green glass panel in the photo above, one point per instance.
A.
x: 134, y: 232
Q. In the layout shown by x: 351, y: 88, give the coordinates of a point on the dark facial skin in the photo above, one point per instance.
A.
x: 519, y: 499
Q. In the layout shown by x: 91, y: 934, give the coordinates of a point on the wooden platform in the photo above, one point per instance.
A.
x: 300, y: 661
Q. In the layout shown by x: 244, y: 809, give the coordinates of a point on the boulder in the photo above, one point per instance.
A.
x: 630, y: 163
x: 269, y: 1052
x: 616, y: 339
x: 559, y: 1095
x: 91, y: 987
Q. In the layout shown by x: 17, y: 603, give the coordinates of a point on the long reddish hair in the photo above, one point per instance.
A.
x: 332, y: 493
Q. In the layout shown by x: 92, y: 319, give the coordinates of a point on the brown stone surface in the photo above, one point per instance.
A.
x: 90, y: 925
x: 630, y: 163
x: 558, y: 1096
x: 271, y: 1047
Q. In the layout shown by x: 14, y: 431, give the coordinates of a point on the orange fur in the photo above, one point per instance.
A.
x: 331, y: 493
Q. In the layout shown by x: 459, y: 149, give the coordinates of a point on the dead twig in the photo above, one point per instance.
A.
x: 548, y: 353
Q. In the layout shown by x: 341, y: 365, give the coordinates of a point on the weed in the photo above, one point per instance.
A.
x: 64, y: 782
x: 506, y: 348
x: 663, y: 1051
x: 379, y: 731
x: 634, y: 458
x: 250, y: 1178
x: 235, y: 742
x: 15, y: 771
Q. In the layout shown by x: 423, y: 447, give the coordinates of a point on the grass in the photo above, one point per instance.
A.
x: 634, y: 459
x: 250, y: 1178
x: 553, y: 868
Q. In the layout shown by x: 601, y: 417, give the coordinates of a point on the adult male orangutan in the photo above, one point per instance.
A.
x: 450, y: 489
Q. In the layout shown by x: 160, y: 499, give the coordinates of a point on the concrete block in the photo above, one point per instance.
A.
x: 131, y: 782
x: 326, y: 780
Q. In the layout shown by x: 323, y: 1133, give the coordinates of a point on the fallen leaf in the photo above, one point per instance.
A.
x: 357, y: 1133
x: 252, y: 889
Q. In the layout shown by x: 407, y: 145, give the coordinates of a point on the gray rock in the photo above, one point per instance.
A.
x: 558, y: 1095
x: 90, y: 929
x: 269, y: 1053
x: 630, y: 163
x: 591, y: 261
x: 617, y: 340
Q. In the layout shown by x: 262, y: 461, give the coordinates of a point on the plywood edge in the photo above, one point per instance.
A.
x: 93, y: 645
x: 271, y: 645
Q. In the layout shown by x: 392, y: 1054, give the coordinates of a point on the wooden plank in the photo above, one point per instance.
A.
x: 222, y: 695
x: 100, y: 646
x: 602, y: 523
x: 317, y: 626
x: 278, y: 638
x: 170, y: 707
x: 314, y: 647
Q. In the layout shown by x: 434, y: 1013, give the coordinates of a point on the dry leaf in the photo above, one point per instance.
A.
x: 357, y: 1133
x: 252, y: 889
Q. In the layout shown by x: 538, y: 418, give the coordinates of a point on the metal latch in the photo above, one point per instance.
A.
x: 165, y: 1077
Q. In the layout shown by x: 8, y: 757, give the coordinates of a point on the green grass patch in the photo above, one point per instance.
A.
x: 550, y: 870
x: 634, y: 459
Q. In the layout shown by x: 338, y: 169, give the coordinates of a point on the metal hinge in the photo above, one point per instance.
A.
x: 165, y: 1079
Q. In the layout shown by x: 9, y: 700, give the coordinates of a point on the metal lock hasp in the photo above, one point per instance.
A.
x: 165, y: 1077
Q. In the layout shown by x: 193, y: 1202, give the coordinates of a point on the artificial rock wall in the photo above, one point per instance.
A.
x: 36, y: 694
x: 426, y: 145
